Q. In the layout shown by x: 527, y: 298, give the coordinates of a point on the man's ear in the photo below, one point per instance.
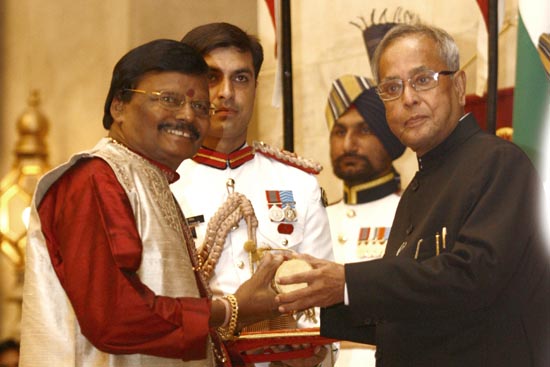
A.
x: 459, y: 81
x: 117, y: 107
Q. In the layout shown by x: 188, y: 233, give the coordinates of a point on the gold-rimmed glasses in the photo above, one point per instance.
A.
x: 174, y: 102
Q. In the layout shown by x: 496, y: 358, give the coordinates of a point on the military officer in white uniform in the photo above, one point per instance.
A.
x: 287, y: 203
x: 235, y: 195
x: 362, y: 149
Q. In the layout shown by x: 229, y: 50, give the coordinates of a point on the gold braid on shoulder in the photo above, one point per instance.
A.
x: 289, y: 158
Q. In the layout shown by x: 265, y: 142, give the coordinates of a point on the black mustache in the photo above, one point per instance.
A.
x: 182, y: 126
x: 351, y: 155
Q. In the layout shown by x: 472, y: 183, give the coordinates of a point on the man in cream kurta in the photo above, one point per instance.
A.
x: 112, y: 276
x: 50, y: 326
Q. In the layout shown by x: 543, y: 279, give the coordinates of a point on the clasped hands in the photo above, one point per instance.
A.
x: 325, y: 287
x: 258, y: 300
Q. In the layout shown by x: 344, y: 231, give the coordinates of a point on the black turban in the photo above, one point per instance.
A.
x: 360, y: 92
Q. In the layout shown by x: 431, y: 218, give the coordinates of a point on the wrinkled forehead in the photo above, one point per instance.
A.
x: 407, y: 55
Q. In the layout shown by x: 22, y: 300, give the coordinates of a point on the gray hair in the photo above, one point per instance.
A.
x: 448, y: 50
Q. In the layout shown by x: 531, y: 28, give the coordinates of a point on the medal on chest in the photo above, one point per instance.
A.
x: 281, y: 206
x: 282, y: 209
x: 371, y: 242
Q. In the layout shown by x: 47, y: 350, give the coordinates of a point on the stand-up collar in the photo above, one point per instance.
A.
x: 466, y: 127
x: 219, y: 160
x: 372, y: 190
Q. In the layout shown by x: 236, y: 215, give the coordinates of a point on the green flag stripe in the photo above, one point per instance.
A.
x: 531, y: 97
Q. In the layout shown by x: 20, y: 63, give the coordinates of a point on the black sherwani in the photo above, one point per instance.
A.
x: 484, y: 299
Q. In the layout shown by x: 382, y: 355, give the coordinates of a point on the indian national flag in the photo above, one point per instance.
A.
x: 531, y: 120
x: 532, y: 91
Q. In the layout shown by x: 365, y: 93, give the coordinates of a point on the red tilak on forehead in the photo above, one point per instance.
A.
x: 190, y: 93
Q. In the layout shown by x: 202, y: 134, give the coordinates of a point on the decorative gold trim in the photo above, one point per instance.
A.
x: 278, y: 334
x: 241, y: 156
x: 287, y: 157
x: 211, y: 157
x: 352, y: 191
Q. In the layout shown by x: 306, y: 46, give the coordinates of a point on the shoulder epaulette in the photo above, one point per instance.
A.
x: 286, y: 157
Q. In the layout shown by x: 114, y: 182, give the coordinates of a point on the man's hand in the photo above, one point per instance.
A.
x: 325, y: 286
x: 256, y: 297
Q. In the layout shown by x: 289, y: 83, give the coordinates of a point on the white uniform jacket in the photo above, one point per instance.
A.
x: 347, y: 222
x: 202, y: 189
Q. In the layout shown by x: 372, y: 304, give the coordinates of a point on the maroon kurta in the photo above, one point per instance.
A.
x: 96, y: 250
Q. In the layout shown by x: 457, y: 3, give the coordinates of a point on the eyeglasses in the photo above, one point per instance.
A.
x: 421, y: 81
x: 174, y: 102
